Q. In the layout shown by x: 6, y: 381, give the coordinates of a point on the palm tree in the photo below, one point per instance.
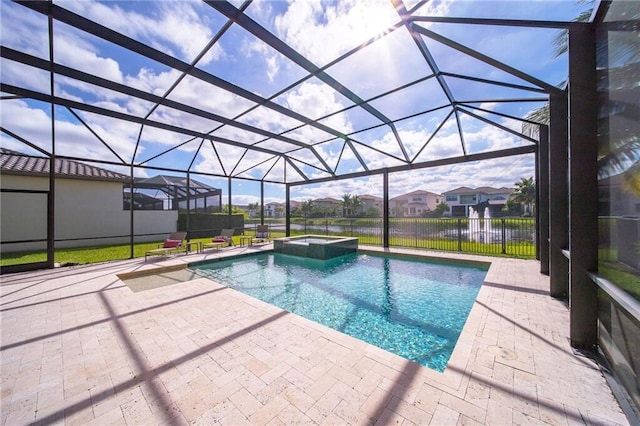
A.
x: 525, y: 194
x: 307, y: 208
x: 356, y: 203
x: 346, y: 205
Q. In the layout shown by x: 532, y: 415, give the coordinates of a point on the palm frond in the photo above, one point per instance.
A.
x: 561, y: 40
x: 632, y: 179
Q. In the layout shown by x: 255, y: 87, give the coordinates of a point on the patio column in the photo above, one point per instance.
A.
x: 287, y: 210
x: 385, y: 209
x: 542, y: 204
x: 558, y: 196
x: 229, y: 204
x: 131, y: 215
x: 188, y: 205
x: 261, y: 202
x: 51, y: 196
x: 583, y: 188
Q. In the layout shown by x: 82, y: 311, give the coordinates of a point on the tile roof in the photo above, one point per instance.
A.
x: 16, y: 163
x: 481, y: 190
x: 416, y: 192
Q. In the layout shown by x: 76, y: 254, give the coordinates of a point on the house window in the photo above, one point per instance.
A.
x: 467, y: 199
x: 452, y: 198
x: 416, y: 199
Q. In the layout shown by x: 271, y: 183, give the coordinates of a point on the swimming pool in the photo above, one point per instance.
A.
x: 415, y: 309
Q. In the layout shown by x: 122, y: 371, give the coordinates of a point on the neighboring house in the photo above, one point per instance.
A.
x: 414, y: 204
x: 88, y: 204
x: 461, y: 198
x: 369, y: 202
x: 274, y: 209
x: 327, y: 202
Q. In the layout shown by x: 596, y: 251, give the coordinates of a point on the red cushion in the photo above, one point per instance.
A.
x: 171, y: 243
x: 219, y: 240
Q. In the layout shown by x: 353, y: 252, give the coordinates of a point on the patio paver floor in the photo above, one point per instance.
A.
x: 78, y: 346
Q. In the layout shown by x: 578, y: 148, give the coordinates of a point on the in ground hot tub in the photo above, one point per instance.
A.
x: 316, y: 246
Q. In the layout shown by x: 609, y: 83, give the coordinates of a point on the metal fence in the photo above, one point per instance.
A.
x: 513, y: 237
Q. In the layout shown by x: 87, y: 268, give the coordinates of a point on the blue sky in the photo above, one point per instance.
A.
x: 321, y: 31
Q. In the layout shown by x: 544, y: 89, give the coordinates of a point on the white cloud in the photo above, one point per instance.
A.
x: 322, y: 31
x: 20, y: 75
x: 72, y: 138
x: 75, y: 52
x: 164, y: 25
x: 314, y: 100
x: 256, y: 48
x: 24, y: 30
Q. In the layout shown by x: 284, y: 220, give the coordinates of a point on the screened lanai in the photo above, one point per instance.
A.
x: 290, y: 95
x: 253, y: 96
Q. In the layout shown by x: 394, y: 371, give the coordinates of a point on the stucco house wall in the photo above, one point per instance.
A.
x: 413, y: 204
x: 84, y: 209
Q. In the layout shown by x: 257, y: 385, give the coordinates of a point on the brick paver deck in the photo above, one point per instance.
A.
x: 79, y: 347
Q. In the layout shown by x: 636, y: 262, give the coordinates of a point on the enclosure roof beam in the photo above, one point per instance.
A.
x: 528, y: 149
x: 122, y: 116
x: 494, y: 82
x: 36, y: 62
x: 92, y: 27
x: 240, y: 18
x: 499, y: 126
x: 496, y: 22
x: 488, y: 60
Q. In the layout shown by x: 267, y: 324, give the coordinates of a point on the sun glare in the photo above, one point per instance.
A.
x: 376, y: 17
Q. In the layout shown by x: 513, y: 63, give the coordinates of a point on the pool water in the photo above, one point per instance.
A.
x: 415, y: 309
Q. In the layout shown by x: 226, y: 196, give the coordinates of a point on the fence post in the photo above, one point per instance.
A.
x: 459, y: 234
x: 504, y: 236
x: 326, y: 226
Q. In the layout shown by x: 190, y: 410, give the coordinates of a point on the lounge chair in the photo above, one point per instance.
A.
x: 173, y: 244
x: 262, y: 234
x: 219, y: 241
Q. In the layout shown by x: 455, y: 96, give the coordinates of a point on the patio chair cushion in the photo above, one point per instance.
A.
x: 220, y: 240
x: 262, y: 235
x: 171, y: 243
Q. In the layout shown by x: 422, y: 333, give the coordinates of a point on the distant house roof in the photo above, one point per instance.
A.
x: 327, y: 200
x: 370, y: 197
x: 480, y: 190
x: 16, y: 163
x: 417, y: 192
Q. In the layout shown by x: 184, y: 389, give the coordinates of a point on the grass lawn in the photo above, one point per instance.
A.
x: 623, y: 279
x: 86, y: 255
